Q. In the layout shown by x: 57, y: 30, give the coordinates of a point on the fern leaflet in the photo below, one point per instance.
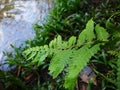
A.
x: 101, y: 33
x: 59, y: 61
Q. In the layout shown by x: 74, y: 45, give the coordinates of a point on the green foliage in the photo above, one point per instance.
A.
x: 11, y: 82
x: 118, y: 72
x: 113, y: 25
x: 101, y: 34
x: 105, y: 68
x: 67, y: 18
x: 73, y: 54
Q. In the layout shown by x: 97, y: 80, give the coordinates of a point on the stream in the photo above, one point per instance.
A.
x: 16, y: 20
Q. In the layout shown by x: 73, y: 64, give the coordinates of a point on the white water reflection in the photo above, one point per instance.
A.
x: 1, y: 35
x: 16, y: 20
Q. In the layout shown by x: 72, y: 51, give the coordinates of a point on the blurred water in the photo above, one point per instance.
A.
x: 16, y: 20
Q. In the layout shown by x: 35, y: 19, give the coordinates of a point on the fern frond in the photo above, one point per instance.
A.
x: 82, y: 38
x: 71, y: 41
x: 90, y: 30
x: 53, y: 43
x: 80, y: 59
x: 102, y: 35
x: 77, y: 63
x: 59, y: 61
x: 87, y: 35
x: 35, y: 49
x: 59, y: 42
x: 43, y: 56
x: 31, y: 55
x: 36, y: 58
x: 38, y: 53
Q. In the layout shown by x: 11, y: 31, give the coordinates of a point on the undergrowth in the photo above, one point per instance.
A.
x: 66, y: 23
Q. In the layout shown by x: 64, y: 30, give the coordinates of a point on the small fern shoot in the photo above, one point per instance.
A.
x: 73, y: 54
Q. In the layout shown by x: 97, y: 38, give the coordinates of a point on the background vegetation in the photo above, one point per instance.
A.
x: 68, y: 18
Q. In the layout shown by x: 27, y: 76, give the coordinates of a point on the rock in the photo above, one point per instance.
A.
x: 87, y: 75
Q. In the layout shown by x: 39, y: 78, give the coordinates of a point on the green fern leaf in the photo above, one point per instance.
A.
x: 45, y: 47
x: 56, y: 43
x: 74, y: 68
x: 33, y: 49
x: 33, y: 54
x: 59, y: 41
x: 102, y: 34
x: 90, y: 30
x: 82, y: 38
x: 27, y: 52
x: 51, y: 44
x: 79, y: 60
x: 87, y: 35
x: 59, y: 61
x: 38, y: 54
x: 71, y: 41
x: 43, y: 53
x: 36, y: 58
x: 94, y: 49
x: 65, y: 45
x: 42, y: 58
